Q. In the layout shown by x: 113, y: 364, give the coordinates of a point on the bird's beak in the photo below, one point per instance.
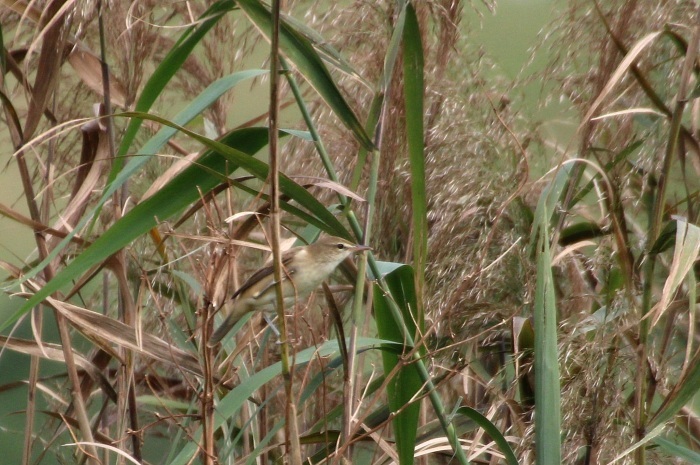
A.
x: 360, y: 248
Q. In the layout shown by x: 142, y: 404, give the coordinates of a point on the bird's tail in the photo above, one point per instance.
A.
x: 224, y: 329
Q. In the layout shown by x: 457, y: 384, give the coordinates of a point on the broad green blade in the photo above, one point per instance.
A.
x: 241, y: 159
x: 492, y: 431
x: 185, y: 188
x: 229, y: 406
x: 547, y: 203
x: 171, y: 64
x: 547, y: 387
x: 406, y: 384
x: 678, y: 451
x: 413, y: 95
x: 302, y: 55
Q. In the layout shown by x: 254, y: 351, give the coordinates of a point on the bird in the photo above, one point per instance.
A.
x: 303, y: 270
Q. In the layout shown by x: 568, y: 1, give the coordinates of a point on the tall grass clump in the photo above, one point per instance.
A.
x: 626, y: 228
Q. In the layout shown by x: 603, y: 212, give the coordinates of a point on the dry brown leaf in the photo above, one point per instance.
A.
x: 26, y: 11
x: 88, y: 67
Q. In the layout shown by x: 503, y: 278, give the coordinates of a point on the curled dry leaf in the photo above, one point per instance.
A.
x: 685, y: 255
x: 240, y: 215
x: 94, y: 160
x: 629, y: 60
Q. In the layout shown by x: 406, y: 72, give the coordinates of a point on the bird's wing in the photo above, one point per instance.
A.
x: 263, y: 273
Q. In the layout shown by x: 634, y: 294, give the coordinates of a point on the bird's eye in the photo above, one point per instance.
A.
x: 340, y: 246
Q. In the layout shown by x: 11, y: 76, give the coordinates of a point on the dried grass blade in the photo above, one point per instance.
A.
x: 622, y: 68
x: 35, y: 225
x: 106, y: 332
x: 334, y: 186
x: 304, y: 57
x: 54, y: 352
x: 22, y: 8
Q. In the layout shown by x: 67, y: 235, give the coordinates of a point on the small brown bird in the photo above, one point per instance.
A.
x: 305, y: 268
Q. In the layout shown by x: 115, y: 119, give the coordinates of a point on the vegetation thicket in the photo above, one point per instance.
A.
x: 525, y: 301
